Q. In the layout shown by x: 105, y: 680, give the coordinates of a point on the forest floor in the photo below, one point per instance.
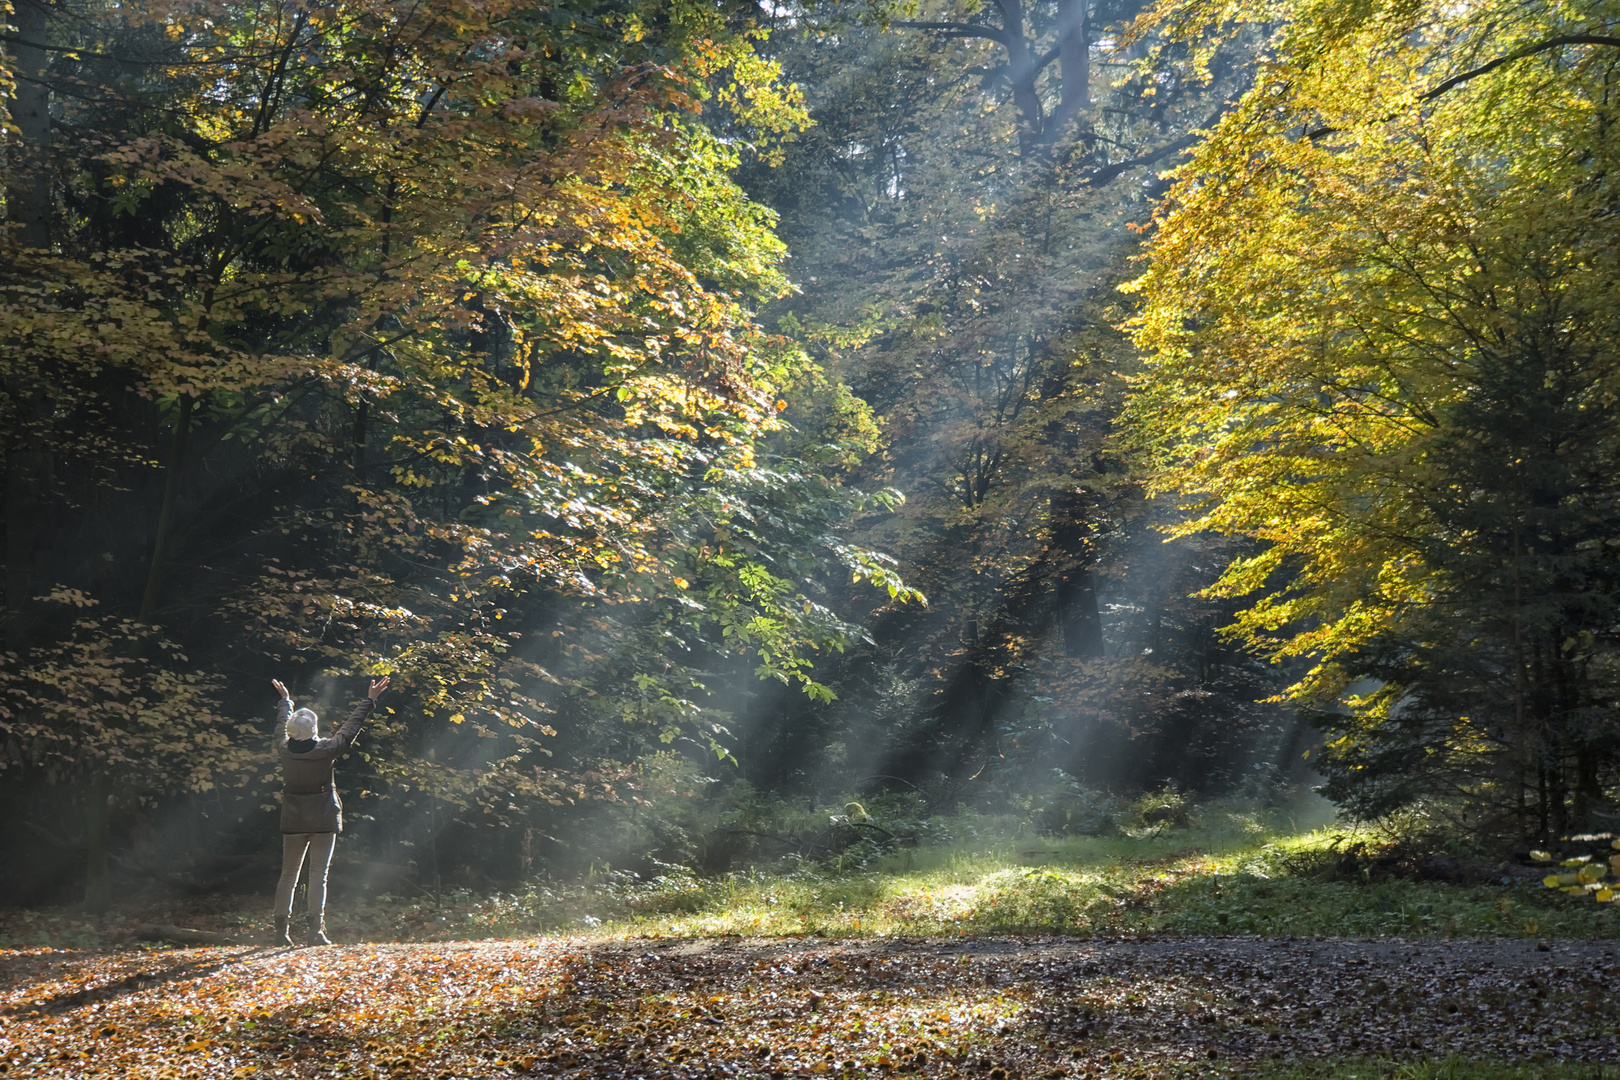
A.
x: 998, y: 1008
x: 1227, y: 949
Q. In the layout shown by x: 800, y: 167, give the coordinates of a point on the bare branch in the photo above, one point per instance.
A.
x: 1112, y: 172
x: 956, y: 29
x: 74, y: 52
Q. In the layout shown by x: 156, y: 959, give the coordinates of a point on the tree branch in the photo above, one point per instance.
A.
x: 1111, y: 172
x: 1012, y: 17
x: 1519, y: 54
x: 77, y: 52
x: 955, y: 29
x: 1466, y: 76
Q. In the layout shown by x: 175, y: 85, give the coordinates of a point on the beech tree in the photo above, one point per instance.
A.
x: 1383, y: 345
x: 958, y: 219
x: 355, y: 335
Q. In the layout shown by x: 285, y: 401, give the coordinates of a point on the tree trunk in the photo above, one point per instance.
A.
x: 28, y: 480
x: 1074, y: 58
x: 98, y: 795
x: 1078, y: 614
x: 357, y: 438
x: 1520, y: 723
x: 1588, y: 789
x: 28, y: 199
x: 1555, y: 770
x: 1076, y: 594
x: 97, y: 870
x: 163, y: 547
x: 1543, y: 818
x: 1021, y: 74
x: 28, y: 217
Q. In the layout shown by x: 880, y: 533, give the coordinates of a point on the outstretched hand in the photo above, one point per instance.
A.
x: 377, y: 687
x: 280, y: 688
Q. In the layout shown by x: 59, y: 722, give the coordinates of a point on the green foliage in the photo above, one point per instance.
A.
x: 1064, y: 807
x: 399, y: 359
x: 110, y: 697
x: 1235, y: 869
x: 957, y: 233
x: 1165, y: 808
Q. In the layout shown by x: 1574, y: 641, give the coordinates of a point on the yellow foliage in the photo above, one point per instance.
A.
x: 1395, y: 232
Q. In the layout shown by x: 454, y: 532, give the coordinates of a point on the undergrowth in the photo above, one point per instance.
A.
x: 1232, y: 869
x: 1215, y: 869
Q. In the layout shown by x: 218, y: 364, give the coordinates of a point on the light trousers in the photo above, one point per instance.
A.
x: 319, y: 846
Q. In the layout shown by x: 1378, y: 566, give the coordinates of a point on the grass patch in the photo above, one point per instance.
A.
x: 1189, y: 882
x: 1230, y: 872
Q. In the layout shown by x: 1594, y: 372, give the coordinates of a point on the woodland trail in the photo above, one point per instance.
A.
x: 685, y: 1008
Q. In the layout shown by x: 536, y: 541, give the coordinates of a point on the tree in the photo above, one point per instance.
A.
x: 958, y: 218
x: 1383, y: 347
x: 370, y: 333
x: 1047, y: 67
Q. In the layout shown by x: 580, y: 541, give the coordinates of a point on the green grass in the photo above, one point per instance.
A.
x: 1215, y: 880
x: 1231, y: 873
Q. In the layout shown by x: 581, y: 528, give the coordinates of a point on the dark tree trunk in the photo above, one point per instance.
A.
x: 29, y: 468
x: 97, y: 870
x: 163, y: 547
x: 1543, y: 816
x: 28, y: 199
x: 1588, y: 791
x: 1557, y: 789
x: 1076, y: 599
x: 29, y: 480
x: 1058, y: 589
x: 1078, y: 614
x: 98, y: 792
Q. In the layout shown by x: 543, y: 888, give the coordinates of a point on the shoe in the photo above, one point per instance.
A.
x: 317, y: 936
x: 281, y: 936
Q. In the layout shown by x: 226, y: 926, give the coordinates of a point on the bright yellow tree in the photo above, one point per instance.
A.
x: 1382, y: 315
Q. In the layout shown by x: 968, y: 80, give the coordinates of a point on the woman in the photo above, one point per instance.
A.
x: 311, y: 812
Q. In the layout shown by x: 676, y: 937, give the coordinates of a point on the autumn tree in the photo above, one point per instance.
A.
x: 363, y: 337
x: 958, y: 220
x: 1383, y: 330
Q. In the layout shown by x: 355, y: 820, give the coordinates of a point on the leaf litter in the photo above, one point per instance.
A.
x: 678, y: 1008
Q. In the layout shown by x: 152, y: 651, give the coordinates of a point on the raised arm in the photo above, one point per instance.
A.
x: 283, y: 711
x: 351, y: 727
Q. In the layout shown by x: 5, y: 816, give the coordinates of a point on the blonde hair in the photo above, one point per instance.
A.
x: 302, y: 724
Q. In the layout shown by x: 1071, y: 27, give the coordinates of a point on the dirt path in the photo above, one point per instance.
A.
x: 685, y: 1008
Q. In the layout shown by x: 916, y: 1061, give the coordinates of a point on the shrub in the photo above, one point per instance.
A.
x: 1062, y: 806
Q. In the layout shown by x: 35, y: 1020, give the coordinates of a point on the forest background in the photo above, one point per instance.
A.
x: 696, y: 408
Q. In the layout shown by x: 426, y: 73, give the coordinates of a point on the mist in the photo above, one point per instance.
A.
x: 895, y: 558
